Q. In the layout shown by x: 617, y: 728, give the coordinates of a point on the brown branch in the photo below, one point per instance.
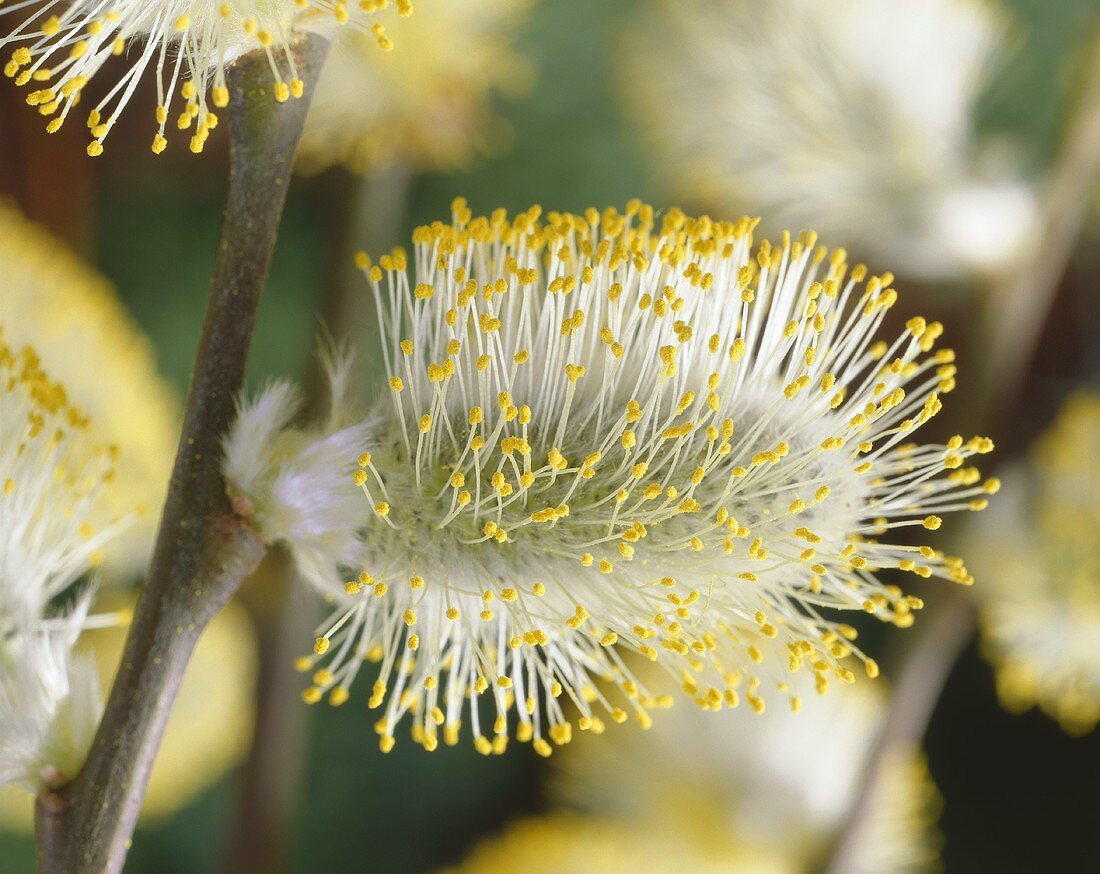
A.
x: 203, y: 550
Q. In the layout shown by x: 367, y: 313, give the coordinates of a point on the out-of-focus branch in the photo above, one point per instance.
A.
x: 372, y: 222
x: 271, y: 779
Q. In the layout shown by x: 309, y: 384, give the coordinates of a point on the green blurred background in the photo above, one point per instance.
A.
x: 1020, y: 795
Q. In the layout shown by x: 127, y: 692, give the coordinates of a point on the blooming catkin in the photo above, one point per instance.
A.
x: 853, y: 116
x: 49, y: 703
x: 615, y: 432
x: 50, y: 478
x: 71, y: 316
x: 55, y: 527
x: 429, y: 103
x: 1041, y: 609
x: 210, y: 726
x: 61, y: 46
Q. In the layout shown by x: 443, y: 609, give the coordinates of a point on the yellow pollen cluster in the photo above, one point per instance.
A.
x: 625, y: 431
x: 58, y: 53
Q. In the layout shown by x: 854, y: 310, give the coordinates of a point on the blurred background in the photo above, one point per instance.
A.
x: 566, y: 127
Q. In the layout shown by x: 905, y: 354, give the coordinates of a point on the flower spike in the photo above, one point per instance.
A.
x: 619, y: 431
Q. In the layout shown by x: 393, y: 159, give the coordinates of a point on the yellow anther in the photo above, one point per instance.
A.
x: 312, y: 695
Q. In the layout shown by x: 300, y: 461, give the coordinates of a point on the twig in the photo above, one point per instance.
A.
x: 203, y: 550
